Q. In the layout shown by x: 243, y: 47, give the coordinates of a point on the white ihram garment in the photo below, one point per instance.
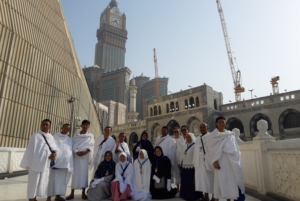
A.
x: 36, y: 161
x: 123, y: 147
x: 141, y: 178
x: 81, y: 163
x: 99, y: 150
x: 60, y: 176
x: 204, y: 171
x: 179, y: 146
x: 222, y: 147
x: 168, y: 145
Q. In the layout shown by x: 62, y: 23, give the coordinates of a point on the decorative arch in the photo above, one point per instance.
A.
x: 289, y: 118
x: 197, y: 102
x: 151, y: 112
x: 167, y: 108
x: 159, y: 109
x: 155, y: 110
x: 215, y: 104
x: 193, y: 124
x: 186, y: 105
x: 171, y: 125
x: 172, y: 107
x: 192, y: 102
x: 133, y: 139
x: 235, y: 123
x: 177, y: 106
x: 155, y: 131
x: 255, y: 119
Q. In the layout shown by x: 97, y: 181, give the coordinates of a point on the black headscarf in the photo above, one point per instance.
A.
x: 162, y: 164
x: 106, y: 167
x: 162, y: 153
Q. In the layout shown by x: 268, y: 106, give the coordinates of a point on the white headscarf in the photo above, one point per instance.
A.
x: 187, y: 159
x: 128, y: 174
x: 192, y: 136
x: 141, y: 177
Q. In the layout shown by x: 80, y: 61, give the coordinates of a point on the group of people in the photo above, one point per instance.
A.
x: 208, y: 164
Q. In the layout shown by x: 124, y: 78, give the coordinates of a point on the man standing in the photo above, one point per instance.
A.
x: 38, y: 164
x: 168, y: 145
x: 122, y: 146
x: 225, y: 156
x: 204, y: 171
x: 103, y: 144
x: 179, y: 147
x: 61, y: 172
x: 184, y: 131
x: 83, y: 144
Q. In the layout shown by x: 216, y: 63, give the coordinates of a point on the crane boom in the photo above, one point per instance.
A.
x: 156, y: 74
x: 236, y: 75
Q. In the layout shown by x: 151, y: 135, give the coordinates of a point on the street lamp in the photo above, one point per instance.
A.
x: 251, y: 93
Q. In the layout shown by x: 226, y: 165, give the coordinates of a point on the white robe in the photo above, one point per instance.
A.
x: 99, y: 151
x: 141, y: 178
x: 180, y: 142
x: 126, y: 150
x: 59, y: 178
x: 168, y: 145
x: 222, y: 147
x: 128, y: 174
x: 204, y: 171
x: 81, y: 163
x: 36, y: 161
x: 187, y: 155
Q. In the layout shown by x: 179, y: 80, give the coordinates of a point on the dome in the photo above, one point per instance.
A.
x: 113, y: 3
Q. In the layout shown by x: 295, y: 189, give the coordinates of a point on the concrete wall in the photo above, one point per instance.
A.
x: 10, y: 159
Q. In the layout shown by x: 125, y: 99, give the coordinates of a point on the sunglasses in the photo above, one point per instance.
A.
x: 175, y: 132
x: 183, y: 129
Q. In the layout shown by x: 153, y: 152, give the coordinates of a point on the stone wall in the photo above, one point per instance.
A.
x: 10, y: 159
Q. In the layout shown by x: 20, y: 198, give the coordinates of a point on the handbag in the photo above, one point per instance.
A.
x: 52, y: 163
x: 161, y: 184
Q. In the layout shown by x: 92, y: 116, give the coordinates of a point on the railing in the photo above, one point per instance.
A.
x: 271, y: 166
x: 10, y: 159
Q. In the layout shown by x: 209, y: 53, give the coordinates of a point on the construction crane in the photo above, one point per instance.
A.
x: 274, y: 84
x: 236, y: 75
x: 156, y: 74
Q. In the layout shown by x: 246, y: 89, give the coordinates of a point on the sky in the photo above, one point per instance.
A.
x: 188, y: 37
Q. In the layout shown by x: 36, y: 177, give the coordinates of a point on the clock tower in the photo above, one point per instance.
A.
x: 112, y: 35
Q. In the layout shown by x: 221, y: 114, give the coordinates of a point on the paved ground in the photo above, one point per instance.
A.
x: 15, y: 189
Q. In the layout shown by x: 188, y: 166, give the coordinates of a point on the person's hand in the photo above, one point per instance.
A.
x: 216, y: 165
x: 117, y: 142
x: 52, y: 156
x: 79, y: 153
x: 179, y: 166
x: 156, y: 178
x: 169, y: 187
x: 138, y: 149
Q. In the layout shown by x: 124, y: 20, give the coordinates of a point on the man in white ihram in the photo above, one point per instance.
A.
x: 168, y: 145
x: 103, y: 143
x: 38, y: 155
x: 60, y: 173
x: 225, y: 156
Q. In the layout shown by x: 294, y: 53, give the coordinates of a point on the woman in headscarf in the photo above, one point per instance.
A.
x: 122, y: 184
x: 141, y: 177
x: 144, y: 143
x: 187, y: 190
x: 100, y: 186
x: 160, y: 186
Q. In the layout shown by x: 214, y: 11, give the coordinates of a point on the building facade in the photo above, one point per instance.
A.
x: 92, y: 75
x: 102, y: 112
x: 112, y: 36
x: 116, y: 113
x: 39, y: 82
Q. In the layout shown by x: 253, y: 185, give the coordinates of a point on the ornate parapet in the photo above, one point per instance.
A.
x: 10, y: 159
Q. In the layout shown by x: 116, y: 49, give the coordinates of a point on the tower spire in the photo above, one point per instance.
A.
x: 113, y: 3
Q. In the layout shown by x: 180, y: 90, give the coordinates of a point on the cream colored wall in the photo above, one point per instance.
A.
x: 39, y: 72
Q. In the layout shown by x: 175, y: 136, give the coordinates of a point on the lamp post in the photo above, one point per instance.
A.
x: 251, y: 93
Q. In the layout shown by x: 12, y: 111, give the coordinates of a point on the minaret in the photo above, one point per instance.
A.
x: 132, y: 115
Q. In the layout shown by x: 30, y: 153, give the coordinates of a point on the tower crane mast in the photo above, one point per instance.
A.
x: 236, y: 75
x: 156, y: 74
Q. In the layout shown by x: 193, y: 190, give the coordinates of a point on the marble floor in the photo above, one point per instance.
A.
x: 15, y: 189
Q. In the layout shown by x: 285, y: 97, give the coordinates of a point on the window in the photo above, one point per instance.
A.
x: 159, y: 110
x: 197, y: 102
x: 167, y: 108
x: 172, y: 107
x: 292, y: 120
x: 215, y: 104
x: 186, y: 104
x: 292, y: 96
x: 155, y: 110
x: 177, y: 106
x: 262, y: 102
x: 151, y: 112
x: 192, y: 103
x: 281, y: 98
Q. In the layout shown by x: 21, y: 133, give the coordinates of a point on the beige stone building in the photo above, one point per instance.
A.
x: 40, y: 74
x: 116, y: 112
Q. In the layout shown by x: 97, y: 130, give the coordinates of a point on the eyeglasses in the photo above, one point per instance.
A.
x: 175, y: 132
x: 183, y: 129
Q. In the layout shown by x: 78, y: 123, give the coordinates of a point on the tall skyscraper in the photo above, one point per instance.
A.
x: 112, y: 35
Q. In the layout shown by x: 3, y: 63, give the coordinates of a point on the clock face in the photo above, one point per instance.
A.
x: 116, y: 21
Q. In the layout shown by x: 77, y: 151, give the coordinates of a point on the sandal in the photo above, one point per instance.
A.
x: 70, y: 197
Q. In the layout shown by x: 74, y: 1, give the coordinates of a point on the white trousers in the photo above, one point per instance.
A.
x: 37, y: 184
x: 81, y: 172
x: 58, y: 181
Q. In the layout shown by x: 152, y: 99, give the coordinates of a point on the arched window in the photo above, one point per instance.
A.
x: 155, y: 110
x: 177, y: 106
x: 192, y: 103
x: 292, y: 121
x: 197, y: 102
x: 167, y: 108
x: 186, y: 105
x: 215, y: 104
x: 172, y: 107
x: 151, y: 112
x: 159, y: 110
